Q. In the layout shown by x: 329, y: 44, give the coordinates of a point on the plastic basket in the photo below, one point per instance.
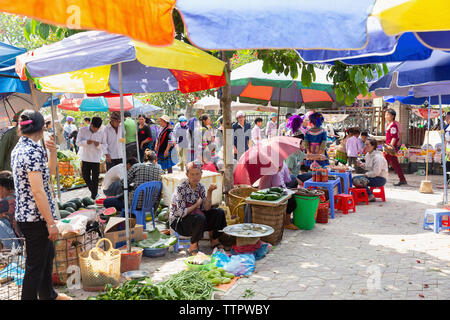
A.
x: 155, y: 252
x: 200, y: 266
x: 12, y: 268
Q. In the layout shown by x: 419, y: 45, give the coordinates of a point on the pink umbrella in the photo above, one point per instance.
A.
x: 265, y: 158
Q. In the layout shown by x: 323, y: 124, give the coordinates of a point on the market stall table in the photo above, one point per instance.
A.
x: 330, y: 185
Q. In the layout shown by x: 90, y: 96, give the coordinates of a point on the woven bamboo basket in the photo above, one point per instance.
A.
x: 273, y: 217
x: 236, y: 200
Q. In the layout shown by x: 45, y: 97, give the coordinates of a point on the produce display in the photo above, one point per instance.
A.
x: 185, y: 285
x: 156, y: 239
x: 270, y: 194
x: 75, y: 204
x: 217, y: 275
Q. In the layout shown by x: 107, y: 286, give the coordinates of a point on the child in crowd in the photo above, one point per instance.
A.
x: 353, y: 148
x: 341, y: 150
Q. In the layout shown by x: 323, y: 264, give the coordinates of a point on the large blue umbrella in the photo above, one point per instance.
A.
x: 430, y: 77
x: 236, y: 24
x: 380, y: 49
x: 15, y: 95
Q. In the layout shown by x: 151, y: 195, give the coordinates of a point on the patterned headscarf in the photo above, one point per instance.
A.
x: 294, y: 123
x: 316, y: 119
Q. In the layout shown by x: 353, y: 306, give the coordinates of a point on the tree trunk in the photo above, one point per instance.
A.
x: 228, y: 151
x: 189, y: 108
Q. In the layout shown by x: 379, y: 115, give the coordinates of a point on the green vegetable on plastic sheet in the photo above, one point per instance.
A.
x: 185, y: 285
x: 218, y: 276
x: 156, y: 239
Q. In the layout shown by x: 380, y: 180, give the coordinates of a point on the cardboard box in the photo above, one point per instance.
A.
x: 119, y: 238
x: 172, y: 180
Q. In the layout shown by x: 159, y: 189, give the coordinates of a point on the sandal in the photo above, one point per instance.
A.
x: 291, y: 226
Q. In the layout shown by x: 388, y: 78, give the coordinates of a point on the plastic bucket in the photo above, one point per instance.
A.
x: 305, y: 212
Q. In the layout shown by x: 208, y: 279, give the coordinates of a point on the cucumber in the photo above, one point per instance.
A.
x: 257, y: 196
x: 272, y: 197
x: 70, y: 209
x: 276, y: 190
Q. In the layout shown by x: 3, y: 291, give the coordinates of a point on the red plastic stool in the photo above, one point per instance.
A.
x: 359, y: 195
x: 378, y: 192
x: 344, y: 202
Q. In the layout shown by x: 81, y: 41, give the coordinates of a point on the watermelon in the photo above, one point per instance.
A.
x: 64, y: 213
x: 162, y: 216
x: 87, y: 201
x: 77, y: 201
x: 70, y: 209
x: 110, y: 211
x: 70, y: 204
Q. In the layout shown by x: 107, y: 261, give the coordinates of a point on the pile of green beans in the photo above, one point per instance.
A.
x: 185, y: 285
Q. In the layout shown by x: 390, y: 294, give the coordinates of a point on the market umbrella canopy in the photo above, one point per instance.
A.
x: 265, y: 158
x: 275, y: 24
x: 213, y: 103
x: 418, y: 101
x: 87, y: 62
x: 251, y: 84
x: 400, y: 16
x: 95, y: 104
x: 146, y: 109
x: 430, y: 77
x: 149, y: 21
x: 380, y: 49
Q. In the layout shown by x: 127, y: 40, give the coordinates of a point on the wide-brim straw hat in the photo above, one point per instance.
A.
x: 165, y: 118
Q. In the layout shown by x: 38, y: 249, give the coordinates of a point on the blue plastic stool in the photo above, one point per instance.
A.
x: 436, y: 225
x: 182, y: 243
x: 330, y: 186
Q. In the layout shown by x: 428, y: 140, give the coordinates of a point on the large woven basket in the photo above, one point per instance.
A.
x: 273, y: 217
x: 236, y: 200
x: 99, y: 267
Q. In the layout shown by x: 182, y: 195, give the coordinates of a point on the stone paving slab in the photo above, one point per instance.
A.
x: 380, y: 252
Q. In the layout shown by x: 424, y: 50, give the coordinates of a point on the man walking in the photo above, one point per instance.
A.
x: 241, y: 135
x: 91, y: 141
x: 113, y: 134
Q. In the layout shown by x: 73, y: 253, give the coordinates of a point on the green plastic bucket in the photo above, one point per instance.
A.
x: 305, y: 213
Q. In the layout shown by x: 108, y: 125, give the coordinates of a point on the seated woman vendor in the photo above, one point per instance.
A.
x: 376, y: 166
x: 282, y: 179
x: 191, y: 213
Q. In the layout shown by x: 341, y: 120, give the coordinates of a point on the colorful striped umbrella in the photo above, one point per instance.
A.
x: 398, y: 16
x: 149, y: 21
x: 98, y: 104
x: 87, y: 62
x: 252, y: 85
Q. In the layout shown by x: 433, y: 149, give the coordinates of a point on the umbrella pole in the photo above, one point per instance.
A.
x: 58, y: 183
x: 137, y: 141
x: 279, y: 107
x: 124, y: 161
x: 443, y: 153
x: 425, y: 186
